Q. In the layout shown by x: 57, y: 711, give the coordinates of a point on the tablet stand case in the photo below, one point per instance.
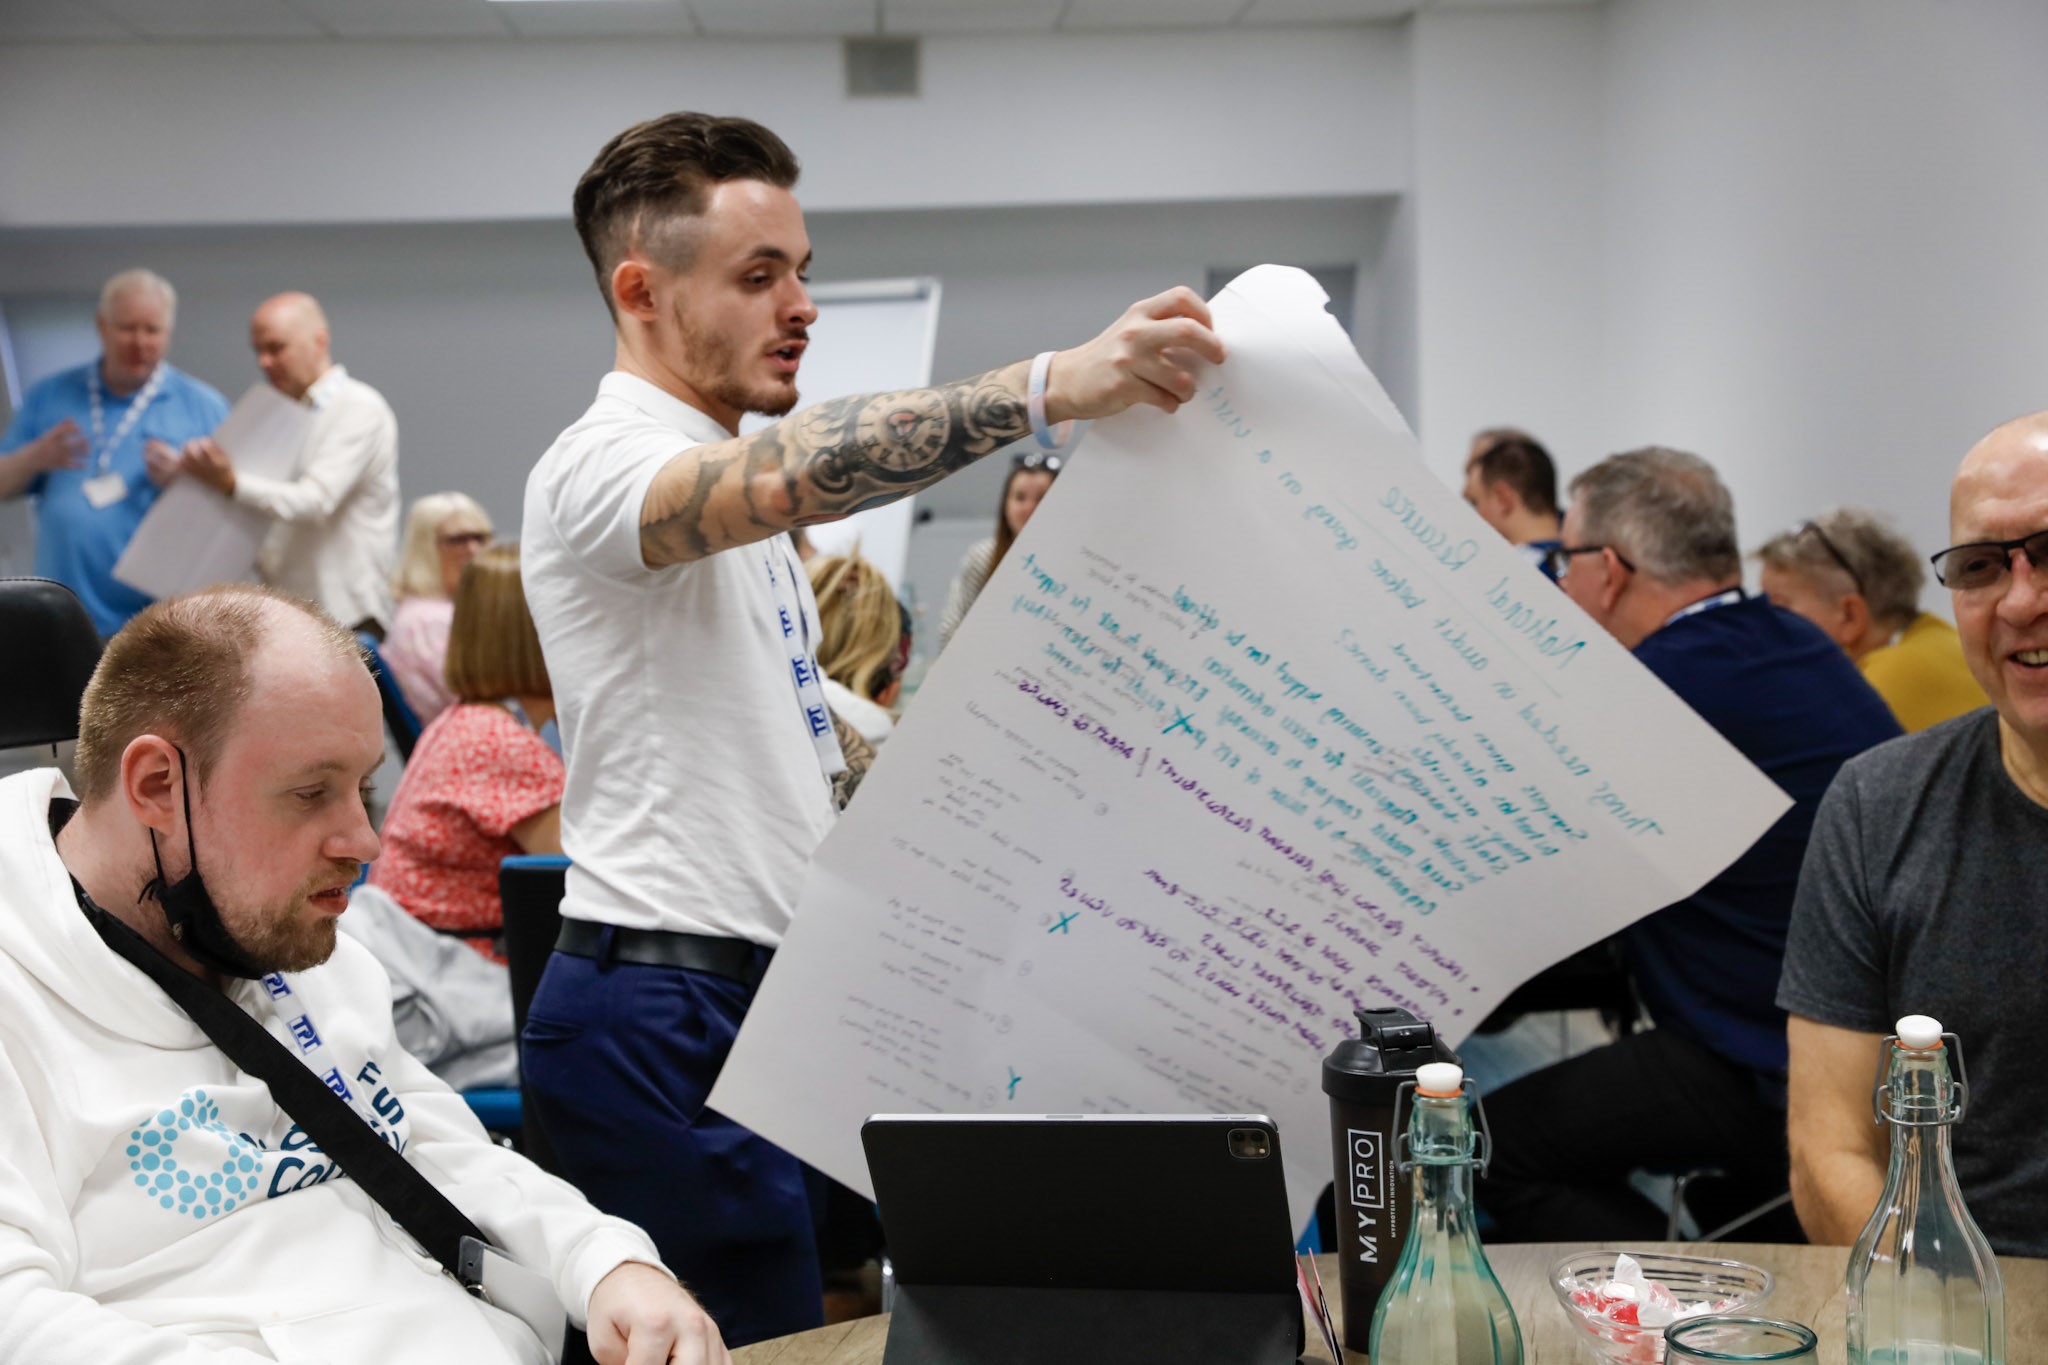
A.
x: 1028, y: 1242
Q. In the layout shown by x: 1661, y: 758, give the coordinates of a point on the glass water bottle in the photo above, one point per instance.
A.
x: 1923, y: 1286
x: 1443, y: 1305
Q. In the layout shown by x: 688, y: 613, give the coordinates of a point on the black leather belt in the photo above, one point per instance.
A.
x: 735, y: 959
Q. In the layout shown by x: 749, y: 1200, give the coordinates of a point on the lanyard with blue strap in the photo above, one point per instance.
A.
x: 793, y: 629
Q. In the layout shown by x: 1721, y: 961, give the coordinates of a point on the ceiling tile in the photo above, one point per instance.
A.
x: 222, y: 19
x: 1087, y: 14
x: 786, y: 18
x: 1326, y: 11
x: 970, y: 16
x: 406, y: 18
x: 1506, y: 4
x: 598, y: 18
x: 33, y: 20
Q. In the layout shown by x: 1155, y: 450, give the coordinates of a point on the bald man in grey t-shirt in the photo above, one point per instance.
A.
x: 1921, y: 894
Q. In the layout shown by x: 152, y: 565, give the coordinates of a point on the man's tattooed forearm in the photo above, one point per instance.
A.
x: 835, y: 459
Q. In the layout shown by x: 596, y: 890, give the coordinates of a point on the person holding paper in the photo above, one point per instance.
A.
x: 93, y: 445
x: 161, y: 1200
x: 1921, y: 891
x: 680, y: 633
x: 1512, y: 484
x: 337, y: 534
x: 1650, y: 553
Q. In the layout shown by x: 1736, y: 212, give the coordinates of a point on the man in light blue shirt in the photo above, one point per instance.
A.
x: 93, y: 445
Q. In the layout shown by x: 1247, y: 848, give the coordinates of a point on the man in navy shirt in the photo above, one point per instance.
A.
x: 1650, y: 553
x: 94, y: 444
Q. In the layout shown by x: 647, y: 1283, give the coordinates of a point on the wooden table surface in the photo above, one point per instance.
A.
x: 1809, y: 1290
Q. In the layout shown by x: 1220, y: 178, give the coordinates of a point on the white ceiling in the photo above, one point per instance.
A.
x: 145, y: 21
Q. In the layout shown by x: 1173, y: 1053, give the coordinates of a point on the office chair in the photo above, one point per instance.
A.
x: 530, y: 887
x: 52, y: 647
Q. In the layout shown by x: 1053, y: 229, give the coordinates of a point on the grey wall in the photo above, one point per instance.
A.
x: 489, y: 338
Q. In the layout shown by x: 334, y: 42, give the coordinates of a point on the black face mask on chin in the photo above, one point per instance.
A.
x: 189, y: 909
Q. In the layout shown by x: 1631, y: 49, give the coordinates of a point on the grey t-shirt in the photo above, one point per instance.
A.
x: 1923, y: 893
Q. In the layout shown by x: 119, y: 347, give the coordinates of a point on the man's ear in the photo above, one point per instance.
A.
x: 1617, y: 578
x: 632, y: 290
x: 150, y: 768
x: 1502, y: 500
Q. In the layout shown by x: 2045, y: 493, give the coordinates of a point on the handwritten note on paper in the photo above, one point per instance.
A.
x: 1256, y: 724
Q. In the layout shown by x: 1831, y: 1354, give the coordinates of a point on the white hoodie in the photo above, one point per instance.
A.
x: 157, y: 1205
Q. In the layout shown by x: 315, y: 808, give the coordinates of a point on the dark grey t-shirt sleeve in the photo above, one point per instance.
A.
x: 1835, y: 952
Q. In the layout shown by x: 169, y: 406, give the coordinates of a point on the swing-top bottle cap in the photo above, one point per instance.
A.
x: 1439, y: 1080
x: 1919, y: 1032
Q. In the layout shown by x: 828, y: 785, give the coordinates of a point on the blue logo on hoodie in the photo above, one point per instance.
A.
x: 178, y: 1187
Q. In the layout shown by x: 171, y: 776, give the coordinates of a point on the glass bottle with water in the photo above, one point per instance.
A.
x: 1443, y: 1305
x: 1923, y: 1286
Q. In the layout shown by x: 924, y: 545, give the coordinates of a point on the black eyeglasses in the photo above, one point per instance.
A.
x: 1834, y: 553
x: 1982, y: 563
x: 1558, y: 558
x: 1035, y: 459
x: 478, y: 538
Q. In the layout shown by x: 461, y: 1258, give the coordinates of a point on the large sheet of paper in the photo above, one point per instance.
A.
x: 1257, y: 723
x: 192, y: 536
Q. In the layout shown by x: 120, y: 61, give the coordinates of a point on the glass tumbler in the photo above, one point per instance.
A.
x: 1717, y: 1341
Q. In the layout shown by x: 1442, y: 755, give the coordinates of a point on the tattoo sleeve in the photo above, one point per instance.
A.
x: 827, y: 462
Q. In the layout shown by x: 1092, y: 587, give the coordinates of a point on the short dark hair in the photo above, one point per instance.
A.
x: 1520, y: 462
x: 650, y: 180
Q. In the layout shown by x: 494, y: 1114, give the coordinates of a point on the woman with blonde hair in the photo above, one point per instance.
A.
x: 481, y: 783
x: 864, y: 642
x: 442, y: 532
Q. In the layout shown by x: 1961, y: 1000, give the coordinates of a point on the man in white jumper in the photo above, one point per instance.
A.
x: 679, y: 630
x: 336, y: 540
x: 156, y: 1202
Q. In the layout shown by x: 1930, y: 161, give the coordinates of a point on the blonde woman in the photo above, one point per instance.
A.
x: 442, y: 532
x: 864, y: 642
x: 482, y: 783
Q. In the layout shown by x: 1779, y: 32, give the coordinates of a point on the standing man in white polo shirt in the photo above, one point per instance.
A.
x: 336, y: 541
x: 678, y: 628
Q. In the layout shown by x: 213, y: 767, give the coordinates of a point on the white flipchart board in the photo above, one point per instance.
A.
x: 871, y: 336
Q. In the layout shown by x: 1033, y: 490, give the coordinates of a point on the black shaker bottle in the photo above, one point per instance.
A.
x: 1361, y: 1078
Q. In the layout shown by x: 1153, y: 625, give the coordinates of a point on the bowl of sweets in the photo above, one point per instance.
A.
x: 1622, y: 1301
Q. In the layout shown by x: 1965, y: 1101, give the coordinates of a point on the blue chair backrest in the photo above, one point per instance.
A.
x: 403, y: 721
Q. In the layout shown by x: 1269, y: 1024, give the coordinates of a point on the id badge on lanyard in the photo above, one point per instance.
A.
x: 107, y: 485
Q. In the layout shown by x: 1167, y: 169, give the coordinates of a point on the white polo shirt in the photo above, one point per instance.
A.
x: 696, y: 793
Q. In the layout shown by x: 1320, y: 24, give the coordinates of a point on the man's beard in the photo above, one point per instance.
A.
x: 714, y: 358
x: 295, y: 941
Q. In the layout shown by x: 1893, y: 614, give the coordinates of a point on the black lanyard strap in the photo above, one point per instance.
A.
x: 385, y: 1175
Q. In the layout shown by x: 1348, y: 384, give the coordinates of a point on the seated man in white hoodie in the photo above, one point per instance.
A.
x: 156, y: 1202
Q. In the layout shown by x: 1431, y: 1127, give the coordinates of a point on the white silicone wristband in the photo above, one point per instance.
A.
x: 1034, y: 401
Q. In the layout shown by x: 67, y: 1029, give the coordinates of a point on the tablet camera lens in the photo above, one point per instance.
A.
x: 1250, y: 1144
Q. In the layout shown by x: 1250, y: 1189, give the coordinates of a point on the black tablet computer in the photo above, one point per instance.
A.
x: 1086, y: 1237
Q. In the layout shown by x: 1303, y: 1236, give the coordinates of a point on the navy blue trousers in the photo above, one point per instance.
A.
x: 617, y: 1061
